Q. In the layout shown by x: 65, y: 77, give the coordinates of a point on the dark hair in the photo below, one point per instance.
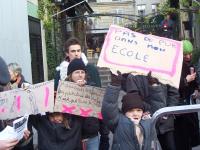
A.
x: 69, y: 42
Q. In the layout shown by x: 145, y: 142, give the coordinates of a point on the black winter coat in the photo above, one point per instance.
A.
x: 187, y: 125
x: 186, y: 89
x: 54, y: 136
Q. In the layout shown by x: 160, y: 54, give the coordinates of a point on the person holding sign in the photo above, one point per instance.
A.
x: 157, y: 95
x: 91, y: 125
x: 73, y: 50
x: 131, y: 131
x: 4, y: 80
x: 17, y: 80
x: 58, y: 131
x: 187, y: 125
x: 61, y: 131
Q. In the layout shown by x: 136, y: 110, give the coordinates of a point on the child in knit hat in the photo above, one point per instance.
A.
x: 130, y: 131
x: 133, y: 109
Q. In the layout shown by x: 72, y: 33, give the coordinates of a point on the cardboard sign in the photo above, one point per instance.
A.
x: 39, y: 98
x: 84, y: 101
x: 129, y: 51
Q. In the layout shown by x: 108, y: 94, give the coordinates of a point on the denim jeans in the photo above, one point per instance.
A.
x: 93, y: 143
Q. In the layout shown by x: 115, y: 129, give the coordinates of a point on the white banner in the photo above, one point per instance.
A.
x: 129, y: 51
x: 39, y: 98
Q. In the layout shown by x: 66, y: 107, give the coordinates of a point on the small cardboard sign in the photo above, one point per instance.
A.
x: 84, y: 101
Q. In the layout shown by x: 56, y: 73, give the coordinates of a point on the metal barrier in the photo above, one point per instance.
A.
x: 171, y: 110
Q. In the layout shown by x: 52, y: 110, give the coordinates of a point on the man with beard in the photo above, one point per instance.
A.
x: 186, y: 125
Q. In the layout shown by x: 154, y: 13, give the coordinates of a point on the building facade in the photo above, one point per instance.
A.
x: 14, y: 35
x: 117, y: 12
x: 112, y: 8
x: 37, y: 43
x: 144, y: 7
x: 21, y: 37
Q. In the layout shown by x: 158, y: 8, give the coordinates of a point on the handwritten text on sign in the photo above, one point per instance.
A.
x: 83, y: 101
x: 38, y: 98
x: 129, y: 51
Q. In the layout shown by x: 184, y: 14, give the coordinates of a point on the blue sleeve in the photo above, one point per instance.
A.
x: 110, y: 110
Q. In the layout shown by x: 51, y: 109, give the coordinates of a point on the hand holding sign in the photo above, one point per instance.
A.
x: 116, y: 79
x: 152, y: 80
x: 8, y: 144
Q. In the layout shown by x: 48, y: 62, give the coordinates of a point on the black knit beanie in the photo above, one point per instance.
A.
x: 76, y: 64
x: 130, y: 101
x: 4, y: 73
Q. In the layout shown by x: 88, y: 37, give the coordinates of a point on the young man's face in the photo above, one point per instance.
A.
x: 78, y: 75
x: 187, y: 57
x: 74, y: 52
x: 135, y: 115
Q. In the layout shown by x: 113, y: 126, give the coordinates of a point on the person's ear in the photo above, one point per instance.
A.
x: 66, y: 54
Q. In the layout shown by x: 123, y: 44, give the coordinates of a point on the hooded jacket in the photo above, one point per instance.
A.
x: 155, y: 97
x: 54, y: 136
x: 124, y: 136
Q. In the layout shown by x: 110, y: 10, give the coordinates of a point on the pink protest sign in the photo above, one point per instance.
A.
x: 38, y: 98
x: 83, y: 101
x: 129, y: 51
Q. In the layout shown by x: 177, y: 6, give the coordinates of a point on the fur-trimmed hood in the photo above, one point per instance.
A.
x: 64, y: 66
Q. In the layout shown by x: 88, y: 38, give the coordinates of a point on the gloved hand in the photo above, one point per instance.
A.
x: 116, y: 79
x: 152, y: 80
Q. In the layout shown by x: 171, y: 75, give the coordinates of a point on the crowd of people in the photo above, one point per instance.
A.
x: 130, y: 124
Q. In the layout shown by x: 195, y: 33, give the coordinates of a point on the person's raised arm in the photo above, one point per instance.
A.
x: 110, y: 110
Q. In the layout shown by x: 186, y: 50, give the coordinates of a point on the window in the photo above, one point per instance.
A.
x: 141, y: 10
x: 118, y: 20
x: 154, y: 8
